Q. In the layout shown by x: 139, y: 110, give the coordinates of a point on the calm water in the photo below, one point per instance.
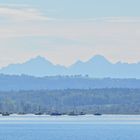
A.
x: 70, y: 128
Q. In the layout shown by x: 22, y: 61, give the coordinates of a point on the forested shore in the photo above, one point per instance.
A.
x: 71, y: 101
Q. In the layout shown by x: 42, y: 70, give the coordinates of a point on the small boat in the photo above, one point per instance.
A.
x: 82, y: 113
x: 72, y: 114
x: 5, y: 114
x: 21, y: 113
x: 56, y: 114
x: 39, y: 113
x: 97, y: 114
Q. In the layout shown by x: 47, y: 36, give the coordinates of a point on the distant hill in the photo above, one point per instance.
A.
x: 24, y: 82
x: 97, y: 67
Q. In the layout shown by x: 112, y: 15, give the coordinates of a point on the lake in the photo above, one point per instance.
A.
x: 88, y: 127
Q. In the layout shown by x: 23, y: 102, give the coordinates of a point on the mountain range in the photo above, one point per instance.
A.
x: 96, y: 67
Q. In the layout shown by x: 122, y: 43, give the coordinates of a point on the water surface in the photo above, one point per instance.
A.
x: 70, y: 128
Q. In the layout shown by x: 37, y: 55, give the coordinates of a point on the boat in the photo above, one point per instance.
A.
x: 6, y: 114
x: 72, y: 114
x: 97, y: 114
x: 39, y: 113
x: 56, y: 114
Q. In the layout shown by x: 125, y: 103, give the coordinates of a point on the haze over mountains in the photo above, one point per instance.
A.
x: 96, y: 67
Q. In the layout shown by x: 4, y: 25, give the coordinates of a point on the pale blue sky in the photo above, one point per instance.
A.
x: 67, y: 30
x: 82, y: 8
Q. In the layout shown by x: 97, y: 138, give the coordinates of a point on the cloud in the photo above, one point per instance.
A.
x: 122, y: 19
x: 14, y: 5
x: 19, y: 13
x: 107, y: 19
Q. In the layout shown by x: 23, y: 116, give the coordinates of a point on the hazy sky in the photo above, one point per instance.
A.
x: 65, y: 31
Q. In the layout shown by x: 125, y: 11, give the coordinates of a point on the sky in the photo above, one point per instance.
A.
x: 65, y: 31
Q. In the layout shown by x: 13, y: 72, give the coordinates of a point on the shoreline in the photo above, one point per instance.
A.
x: 65, y: 119
x: 30, y: 114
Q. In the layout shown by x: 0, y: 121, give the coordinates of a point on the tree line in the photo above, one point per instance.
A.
x: 71, y: 101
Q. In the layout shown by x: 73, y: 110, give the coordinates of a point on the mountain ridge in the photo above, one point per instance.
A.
x: 97, y: 67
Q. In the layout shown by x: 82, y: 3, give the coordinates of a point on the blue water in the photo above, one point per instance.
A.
x: 69, y: 131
